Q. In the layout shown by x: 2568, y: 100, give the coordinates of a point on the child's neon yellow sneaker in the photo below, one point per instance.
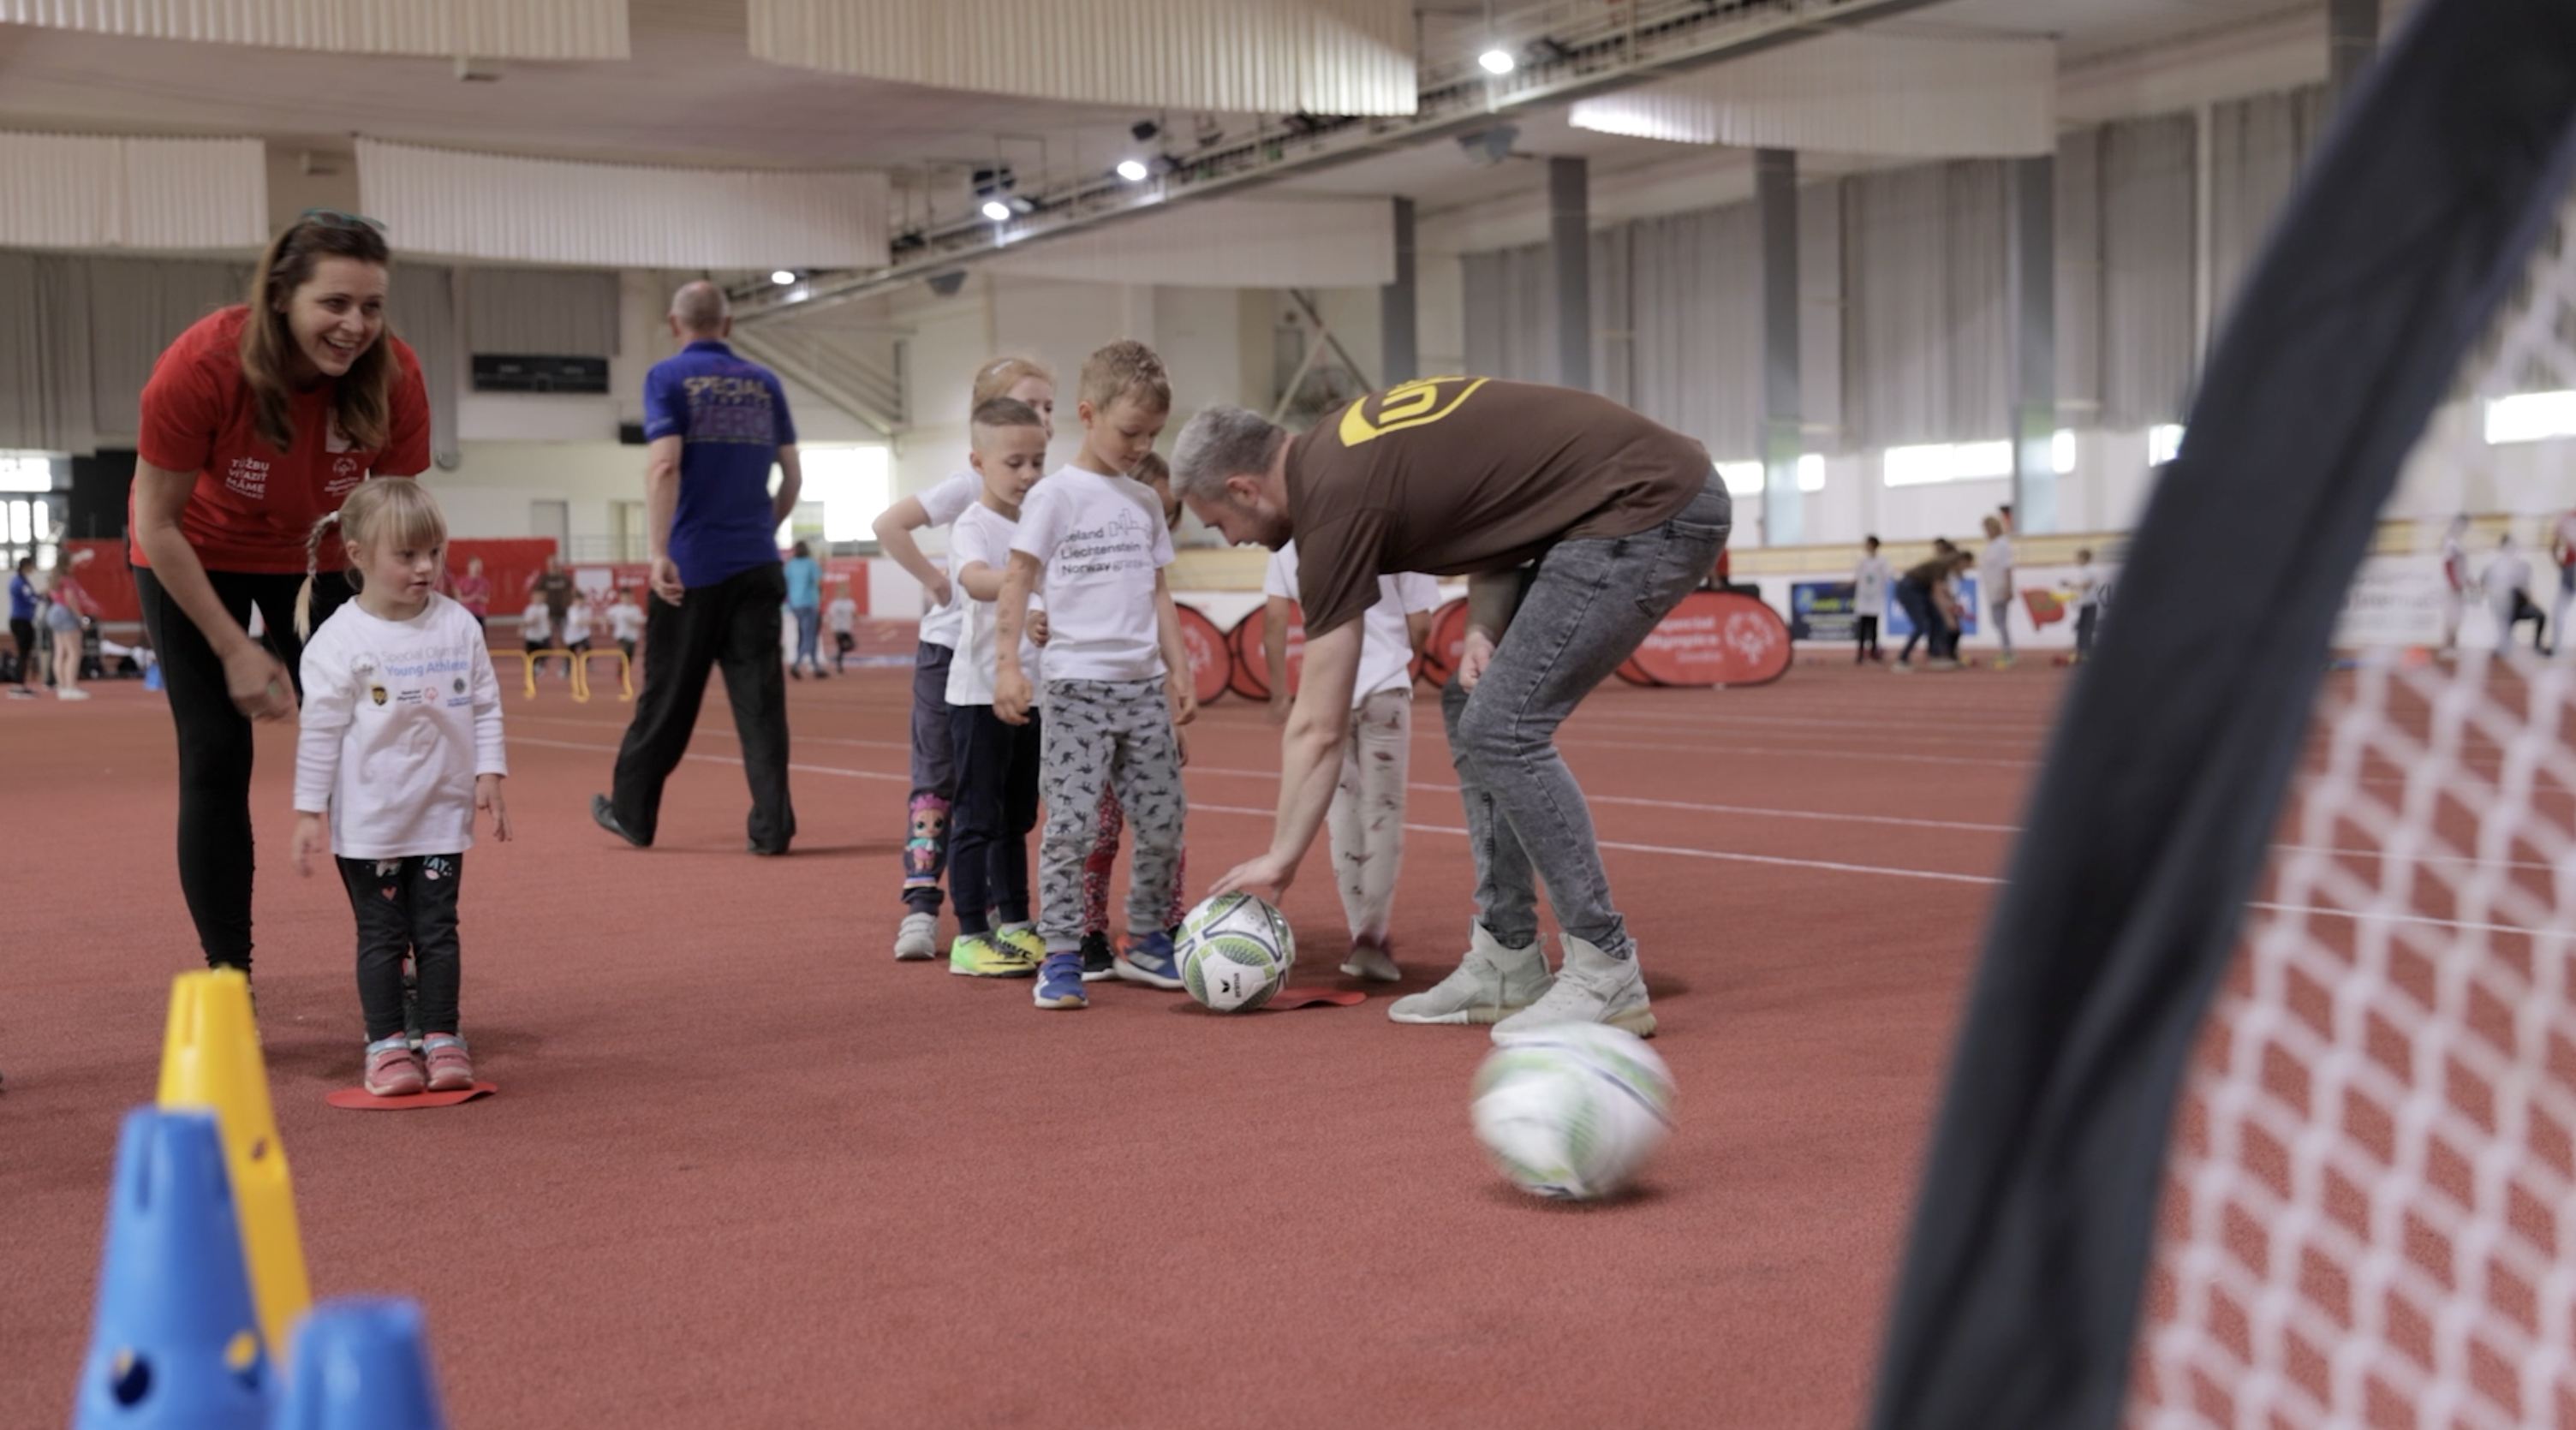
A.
x: 1025, y: 942
x: 982, y: 955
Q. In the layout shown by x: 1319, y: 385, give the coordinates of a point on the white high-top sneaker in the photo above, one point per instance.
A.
x: 1591, y: 987
x: 1491, y: 982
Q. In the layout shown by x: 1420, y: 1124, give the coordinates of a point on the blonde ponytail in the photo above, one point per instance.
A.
x: 312, y: 566
x: 382, y: 508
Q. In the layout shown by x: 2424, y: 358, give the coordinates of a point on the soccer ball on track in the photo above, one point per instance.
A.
x: 1572, y: 1110
x: 1235, y: 952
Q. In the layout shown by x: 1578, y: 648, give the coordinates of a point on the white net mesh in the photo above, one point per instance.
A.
x: 2371, y: 1219
x: 2375, y: 1177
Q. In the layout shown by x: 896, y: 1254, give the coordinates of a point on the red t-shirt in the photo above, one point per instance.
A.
x: 253, y: 505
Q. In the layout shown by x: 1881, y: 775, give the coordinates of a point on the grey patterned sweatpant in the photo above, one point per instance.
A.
x: 1107, y: 734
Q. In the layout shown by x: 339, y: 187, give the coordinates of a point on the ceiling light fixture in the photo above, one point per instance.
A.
x: 1488, y: 147
x: 782, y: 277
x: 997, y: 211
x: 1144, y: 130
x: 1133, y: 170
x: 1496, y: 61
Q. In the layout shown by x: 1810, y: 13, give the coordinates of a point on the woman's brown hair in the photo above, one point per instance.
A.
x: 998, y: 377
x: 362, y: 398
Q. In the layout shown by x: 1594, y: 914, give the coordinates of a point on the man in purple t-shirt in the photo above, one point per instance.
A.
x: 716, y: 424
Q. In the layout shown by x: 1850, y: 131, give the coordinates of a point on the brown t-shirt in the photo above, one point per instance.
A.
x: 1460, y: 475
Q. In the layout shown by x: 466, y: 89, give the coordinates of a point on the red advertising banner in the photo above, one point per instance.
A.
x: 1714, y: 638
x: 1210, y: 664
x: 1252, y: 663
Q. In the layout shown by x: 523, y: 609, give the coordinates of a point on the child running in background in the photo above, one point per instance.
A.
x: 1117, y: 677
x: 1098, y: 962
x: 1366, y: 821
x: 996, y: 804
x: 625, y: 622
x: 841, y: 617
x: 1870, y: 582
x: 934, y: 775
x: 399, y: 744
x: 577, y: 622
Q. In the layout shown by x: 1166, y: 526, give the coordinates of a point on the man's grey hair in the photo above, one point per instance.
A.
x: 1222, y: 442
x: 700, y: 307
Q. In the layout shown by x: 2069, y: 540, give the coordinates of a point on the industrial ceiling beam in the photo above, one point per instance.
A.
x: 1657, y: 38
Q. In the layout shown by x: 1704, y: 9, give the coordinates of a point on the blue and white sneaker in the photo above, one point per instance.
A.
x: 1147, y: 959
x: 1060, y: 982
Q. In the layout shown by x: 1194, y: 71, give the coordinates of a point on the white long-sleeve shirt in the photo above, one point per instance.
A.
x: 399, y: 719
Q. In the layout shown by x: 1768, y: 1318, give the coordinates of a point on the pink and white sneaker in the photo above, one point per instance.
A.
x: 393, y: 1070
x: 451, y: 1067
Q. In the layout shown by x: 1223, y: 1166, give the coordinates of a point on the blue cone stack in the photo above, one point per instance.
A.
x: 361, y: 1364
x: 176, y: 1342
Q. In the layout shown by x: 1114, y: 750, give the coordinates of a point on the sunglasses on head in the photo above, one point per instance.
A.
x: 334, y: 218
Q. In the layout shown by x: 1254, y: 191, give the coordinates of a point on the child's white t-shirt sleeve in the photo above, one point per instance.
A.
x: 1279, y: 575
x: 1042, y: 518
x: 491, y: 749
x: 949, y: 500
x: 1418, y: 592
x: 330, y: 699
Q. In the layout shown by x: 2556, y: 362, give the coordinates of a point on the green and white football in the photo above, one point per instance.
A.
x: 1572, y: 1110
x: 1235, y: 952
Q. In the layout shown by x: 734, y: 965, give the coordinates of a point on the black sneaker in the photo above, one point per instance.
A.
x: 603, y: 814
x: 1098, y: 961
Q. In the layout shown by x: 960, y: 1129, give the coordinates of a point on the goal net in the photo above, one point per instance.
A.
x: 2264, y: 1113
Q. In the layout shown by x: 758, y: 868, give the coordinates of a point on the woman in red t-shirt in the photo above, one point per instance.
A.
x: 258, y: 420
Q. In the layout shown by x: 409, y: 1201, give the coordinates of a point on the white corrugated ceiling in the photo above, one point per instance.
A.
x: 114, y: 192
x: 506, y: 29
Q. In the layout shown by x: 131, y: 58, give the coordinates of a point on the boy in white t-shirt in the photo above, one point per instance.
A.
x: 934, y: 770
x: 2087, y: 587
x: 841, y: 618
x: 1871, y: 581
x: 1117, y: 677
x: 996, y: 804
x: 625, y: 622
x: 1366, y: 821
x: 576, y: 631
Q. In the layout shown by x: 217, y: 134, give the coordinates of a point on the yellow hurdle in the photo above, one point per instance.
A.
x: 210, y: 1059
x: 625, y: 672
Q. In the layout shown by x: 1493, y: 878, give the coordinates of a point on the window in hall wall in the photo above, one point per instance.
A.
x: 2531, y: 417
x: 1966, y: 461
x: 1746, y: 479
x: 852, y: 484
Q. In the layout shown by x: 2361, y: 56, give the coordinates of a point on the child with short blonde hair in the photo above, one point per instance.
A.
x: 399, y: 746
x: 1117, y: 676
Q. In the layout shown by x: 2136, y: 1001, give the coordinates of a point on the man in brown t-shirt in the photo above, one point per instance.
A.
x: 1596, y: 519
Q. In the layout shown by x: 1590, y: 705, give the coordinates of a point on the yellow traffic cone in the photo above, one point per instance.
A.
x: 210, y: 1059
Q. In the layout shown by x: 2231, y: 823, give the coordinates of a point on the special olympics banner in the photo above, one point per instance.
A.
x: 1713, y: 638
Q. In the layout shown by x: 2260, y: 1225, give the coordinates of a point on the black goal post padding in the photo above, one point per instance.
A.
x: 2023, y: 1283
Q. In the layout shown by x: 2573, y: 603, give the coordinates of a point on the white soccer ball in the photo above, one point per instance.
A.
x: 1573, y: 1110
x: 1235, y: 952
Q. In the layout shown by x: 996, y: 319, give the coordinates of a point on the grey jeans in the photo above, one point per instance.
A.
x: 1590, y: 605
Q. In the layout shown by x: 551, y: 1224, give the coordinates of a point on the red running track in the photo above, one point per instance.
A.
x: 746, y: 1169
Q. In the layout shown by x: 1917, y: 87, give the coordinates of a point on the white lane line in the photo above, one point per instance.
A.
x: 734, y: 760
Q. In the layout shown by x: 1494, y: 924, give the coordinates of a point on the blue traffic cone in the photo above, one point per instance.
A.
x: 361, y: 1364
x: 176, y: 1342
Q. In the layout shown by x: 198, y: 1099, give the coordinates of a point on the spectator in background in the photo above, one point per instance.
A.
x: 842, y: 616
x: 72, y: 610
x: 1870, y: 581
x: 2087, y: 587
x: 2562, y: 549
x: 536, y: 631
x: 1998, y: 563
x: 474, y: 592
x: 554, y: 586
x: 22, y: 624
x: 2455, y: 579
x: 805, y: 601
x: 2508, y: 588
x: 625, y: 622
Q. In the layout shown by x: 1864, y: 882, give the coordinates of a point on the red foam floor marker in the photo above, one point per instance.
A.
x: 1318, y: 998
x: 358, y: 1099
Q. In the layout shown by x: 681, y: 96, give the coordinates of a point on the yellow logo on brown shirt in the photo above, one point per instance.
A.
x: 1412, y: 404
